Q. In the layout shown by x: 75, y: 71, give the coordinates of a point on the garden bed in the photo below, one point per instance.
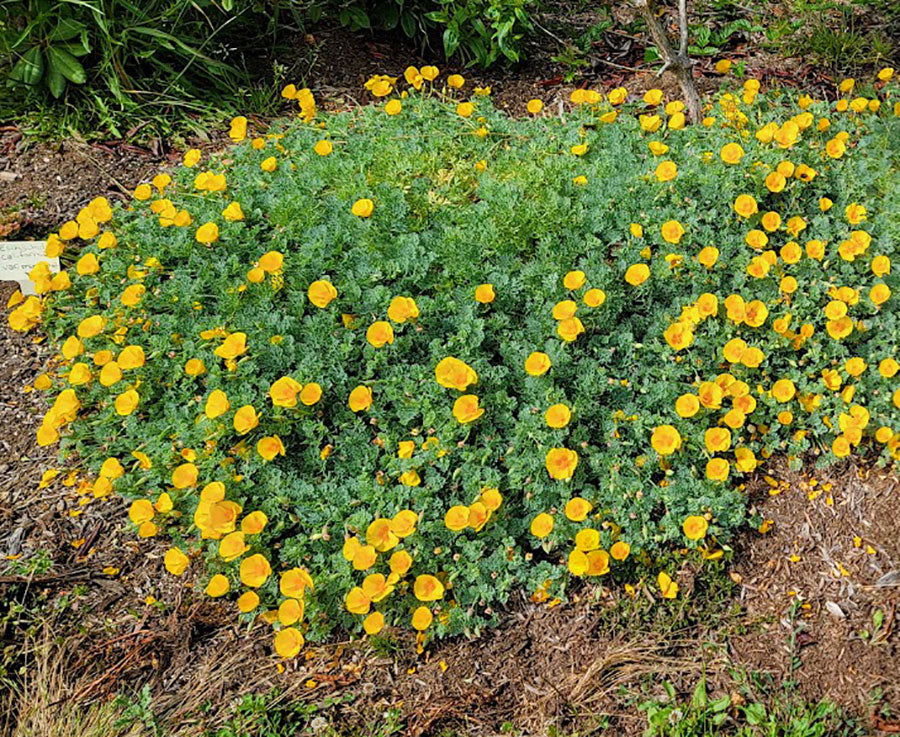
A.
x: 788, y: 587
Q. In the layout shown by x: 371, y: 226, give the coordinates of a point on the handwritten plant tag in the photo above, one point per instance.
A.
x: 17, y: 258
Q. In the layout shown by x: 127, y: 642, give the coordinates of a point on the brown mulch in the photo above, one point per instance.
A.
x: 834, y: 549
x: 565, y: 668
x: 344, y: 61
x: 47, y: 183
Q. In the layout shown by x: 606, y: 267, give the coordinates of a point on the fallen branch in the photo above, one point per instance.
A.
x: 79, y: 574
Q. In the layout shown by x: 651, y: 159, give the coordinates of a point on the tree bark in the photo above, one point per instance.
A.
x: 675, y: 59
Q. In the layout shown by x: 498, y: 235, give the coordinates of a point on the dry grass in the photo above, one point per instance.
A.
x: 43, y: 705
x: 625, y: 663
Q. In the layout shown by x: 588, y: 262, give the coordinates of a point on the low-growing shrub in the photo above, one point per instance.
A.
x: 474, y: 31
x: 389, y: 365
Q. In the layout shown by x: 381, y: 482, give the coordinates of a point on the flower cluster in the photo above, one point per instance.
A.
x: 380, y: 368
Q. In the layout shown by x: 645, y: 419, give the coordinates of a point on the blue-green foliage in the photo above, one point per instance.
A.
x: 439, y: 228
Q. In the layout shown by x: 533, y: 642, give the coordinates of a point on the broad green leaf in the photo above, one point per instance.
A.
x: 56, y: 82
x: 408, y: 23
x: 389, y: 17
x: 66, y: 29
x: 67, y: 64
x: 75, y: 49
x: 358, y: 16
x: 30, y: 68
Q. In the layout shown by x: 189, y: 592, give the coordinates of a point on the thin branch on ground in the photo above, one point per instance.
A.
x: 591, y: 58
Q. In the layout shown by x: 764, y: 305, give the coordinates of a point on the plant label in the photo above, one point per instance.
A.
x: 18, y: 258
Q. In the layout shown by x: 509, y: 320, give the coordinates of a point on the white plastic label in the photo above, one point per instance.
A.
x: 17, y: 258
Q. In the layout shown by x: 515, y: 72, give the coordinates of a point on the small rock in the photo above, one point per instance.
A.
x: 14, y: 542
x: 835, y: 610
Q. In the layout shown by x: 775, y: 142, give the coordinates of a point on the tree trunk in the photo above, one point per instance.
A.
x: 675, y: 59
